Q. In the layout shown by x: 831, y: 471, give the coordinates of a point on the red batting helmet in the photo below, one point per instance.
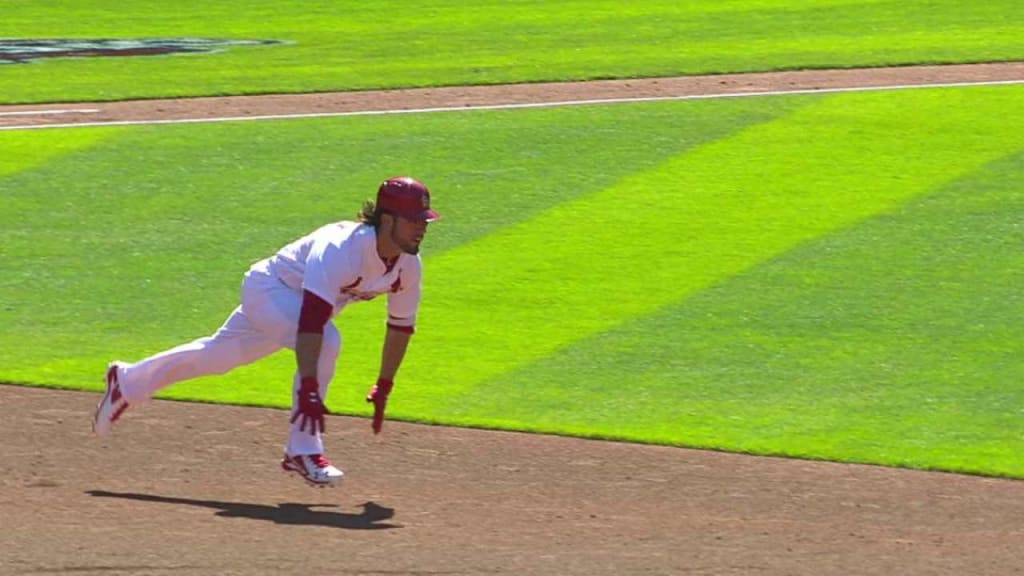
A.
x: 406, y: 197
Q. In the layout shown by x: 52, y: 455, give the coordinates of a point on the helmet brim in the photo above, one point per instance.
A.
x: 427, y: 215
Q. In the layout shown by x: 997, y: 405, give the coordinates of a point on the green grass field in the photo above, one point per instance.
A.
x: 384, y: 44
x: 815, y: 276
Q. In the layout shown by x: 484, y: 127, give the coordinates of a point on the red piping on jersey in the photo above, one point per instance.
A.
x: 315, y: 313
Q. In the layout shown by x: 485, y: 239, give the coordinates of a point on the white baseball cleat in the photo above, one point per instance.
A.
x: 314, y: 468
x: 113, y: 404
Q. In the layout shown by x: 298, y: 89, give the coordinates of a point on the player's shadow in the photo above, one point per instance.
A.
x: 289, y: 513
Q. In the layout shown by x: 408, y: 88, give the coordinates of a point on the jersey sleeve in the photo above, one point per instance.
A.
x: 404, y: 299
x: 329, y: 267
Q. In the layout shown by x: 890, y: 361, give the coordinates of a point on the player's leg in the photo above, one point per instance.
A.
x: 262, y: 325
x: 304, y: 452
x: 299, y: 441
x: 279, y: 309
x: 251, y: 332
x: 237, y: 342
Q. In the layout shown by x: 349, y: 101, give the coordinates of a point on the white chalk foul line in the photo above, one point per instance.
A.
x: 593, y: 102
x: 49, y: 112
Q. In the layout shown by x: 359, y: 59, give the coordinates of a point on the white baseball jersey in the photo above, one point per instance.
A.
x: 339, y: 263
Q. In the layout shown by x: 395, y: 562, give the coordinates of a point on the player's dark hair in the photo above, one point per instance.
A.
x: 370, y: 214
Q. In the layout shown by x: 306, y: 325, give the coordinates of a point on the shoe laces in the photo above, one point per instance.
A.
x: 319, y: 460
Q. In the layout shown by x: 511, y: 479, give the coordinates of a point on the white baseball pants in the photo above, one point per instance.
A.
x: 266, y: 322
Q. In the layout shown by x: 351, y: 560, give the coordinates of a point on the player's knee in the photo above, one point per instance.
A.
x: 330, y: 346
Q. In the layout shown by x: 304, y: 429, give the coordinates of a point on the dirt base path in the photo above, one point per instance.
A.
x: 517, y: 94
x: 194, y: 489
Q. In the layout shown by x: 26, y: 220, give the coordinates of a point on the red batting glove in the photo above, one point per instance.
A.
x: 311, y: 407
x: 379, y: 396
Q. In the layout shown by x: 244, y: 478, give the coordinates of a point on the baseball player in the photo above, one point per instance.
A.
x: 288, y: 301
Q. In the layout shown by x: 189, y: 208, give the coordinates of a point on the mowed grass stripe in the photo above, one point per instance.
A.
x: 20, y: 151
x: 661, y: 236
x: 352, y: 46
x: 174, y: 214
x: 894, y: 341
x: 489, y: 169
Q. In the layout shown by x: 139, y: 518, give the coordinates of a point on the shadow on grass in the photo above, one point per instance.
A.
x: 288, y: 513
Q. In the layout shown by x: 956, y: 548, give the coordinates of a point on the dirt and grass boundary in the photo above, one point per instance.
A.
x: 195, y: 489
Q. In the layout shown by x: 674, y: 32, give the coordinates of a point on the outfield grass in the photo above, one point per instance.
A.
x: 816, y: 276
x: 387, y: 44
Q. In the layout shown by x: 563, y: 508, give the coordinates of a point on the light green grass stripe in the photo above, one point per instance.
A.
x: 660, y: 236
x: 893, y: 341
x: 377, y: 44
x: 174, y: 215
x: 21, y: 151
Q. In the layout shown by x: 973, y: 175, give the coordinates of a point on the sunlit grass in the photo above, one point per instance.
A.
x: 819, y: 276
x: 385, y: 44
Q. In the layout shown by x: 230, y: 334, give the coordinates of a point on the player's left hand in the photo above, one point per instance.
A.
x: 379, y: 397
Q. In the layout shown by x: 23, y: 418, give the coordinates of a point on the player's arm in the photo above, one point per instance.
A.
x: 310, y: 334
x: 402, y: 309
x: 325, y: 263
x: 396, y: 341
x: 328, y: 266
x: 307, y: 353
x: 313, y: 317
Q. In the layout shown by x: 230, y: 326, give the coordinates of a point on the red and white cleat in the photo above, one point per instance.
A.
x: 314, y: 468
x: 113, y: 404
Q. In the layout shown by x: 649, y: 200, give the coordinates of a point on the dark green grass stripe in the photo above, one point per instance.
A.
x: 174, y: 214
x: 386, y: 44
x: 895, y: 341
x: 586, y: 266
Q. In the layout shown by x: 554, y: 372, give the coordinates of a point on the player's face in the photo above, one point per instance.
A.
x: 407, y: 234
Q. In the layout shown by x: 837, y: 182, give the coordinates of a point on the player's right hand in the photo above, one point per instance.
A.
x: 311, y: 407
x: 379, y: 396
